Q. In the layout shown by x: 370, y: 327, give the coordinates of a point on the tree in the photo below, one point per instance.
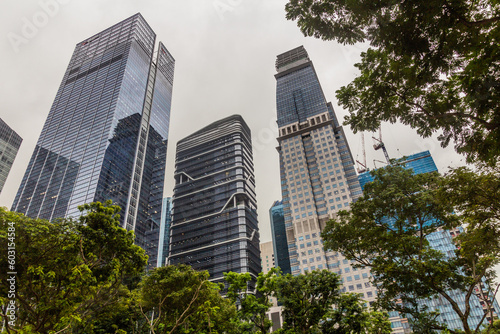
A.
x: 68, y: 271
x: 494, y: 328
x: 178, y: 299
x: 252, y: 306
x: 312, y: 303
x: 350, y: 315
x: 433, y: 65
x: 388, y: 229
x: 306, y: 299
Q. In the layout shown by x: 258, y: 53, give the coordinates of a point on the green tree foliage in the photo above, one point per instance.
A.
x: 178, y: 299
x: 312, y: 304
x: 433, y: 65
x: 306, y: 299
x: 387, y: 230
x: 252, y: 308
x: 494, y: 328
x: 68, y: 271
x: 350, y: 315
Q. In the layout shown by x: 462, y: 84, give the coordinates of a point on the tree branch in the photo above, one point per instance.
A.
x: 195, y: 296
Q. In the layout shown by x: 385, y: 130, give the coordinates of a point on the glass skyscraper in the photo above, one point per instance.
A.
x: 164, y: 242
x: 10, y: 142
x: 214, y: 219
x: 106, y: 134
x: 317, y: 171
x: 442, y: 240
x: 278, y: 233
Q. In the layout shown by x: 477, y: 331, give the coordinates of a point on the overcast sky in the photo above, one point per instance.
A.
x: 225, y: 52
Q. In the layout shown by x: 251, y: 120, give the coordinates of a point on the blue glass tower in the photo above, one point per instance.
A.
x: 420, y: 163
x: 443, y: 241
x: 164, y: 242
x: 106, y: 134
x: 278, y: 231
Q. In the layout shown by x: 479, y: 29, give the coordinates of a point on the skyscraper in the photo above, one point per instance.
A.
x: 317, y: 170
x: 214, y: 218
x: 267, y: 256
x: 442, y: 240
x: 106, y: 134
x: 10, y: 142
x: 164, y: 242
x: 278, y: 233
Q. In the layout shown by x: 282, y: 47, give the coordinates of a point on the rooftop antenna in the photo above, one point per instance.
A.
x: 362, y: 165
x: 379, y: 144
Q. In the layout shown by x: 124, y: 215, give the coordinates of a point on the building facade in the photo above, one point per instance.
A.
x: 317, y: 171
x: 164, y: 242
x: 214, y: 219
x: 267, y: 256
x: 106, y: 134
x: 278, y: 233
x: 442, y: 240
x: 10, y: 142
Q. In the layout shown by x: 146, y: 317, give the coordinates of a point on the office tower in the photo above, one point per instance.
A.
x: 443, y: 241
x: 10, y: 142
x: 317, y: 171
x: 267, y: 256
x: 164, y: 242
x: 278, y: 232
x: 106, y: 134
x: 419, y: 162
x: 214, y: 218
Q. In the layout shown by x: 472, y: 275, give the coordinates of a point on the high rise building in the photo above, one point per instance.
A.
x: 278, y: 233
x: 164, y: 242
x: 106, y: 134
x: 267, y: 256
x: 442, y: 240
x: 317, y: 171
x: 10, y: 142
x: 214, y: 218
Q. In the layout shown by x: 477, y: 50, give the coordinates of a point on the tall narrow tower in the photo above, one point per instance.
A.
x: 214, y: 214
x: 278, y: 233
x: 318, y: 177
x: 106, y: 134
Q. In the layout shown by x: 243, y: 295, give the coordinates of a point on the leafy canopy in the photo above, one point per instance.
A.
x: 68, y: 272
x: 388, y: 230
x: 252, y: 307
x: 433, y: 65
x: 178, y: 299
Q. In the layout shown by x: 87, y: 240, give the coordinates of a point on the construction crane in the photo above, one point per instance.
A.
x: 379, y: 144
x: 376, y: 160
x: 362, y: 165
